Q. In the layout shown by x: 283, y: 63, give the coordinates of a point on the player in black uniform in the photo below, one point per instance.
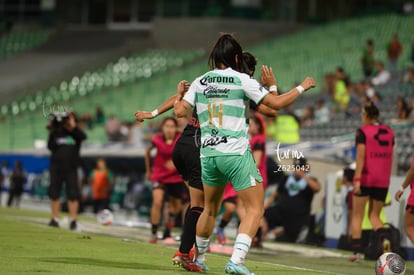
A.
x: 186, y: 158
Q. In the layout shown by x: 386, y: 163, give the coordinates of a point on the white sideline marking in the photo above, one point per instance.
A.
x: 301, y: 268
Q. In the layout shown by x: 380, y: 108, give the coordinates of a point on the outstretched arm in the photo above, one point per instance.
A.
x: 281, y: 101
x: 164, y: 107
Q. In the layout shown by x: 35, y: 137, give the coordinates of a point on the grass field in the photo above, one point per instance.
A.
x: 28, y: 246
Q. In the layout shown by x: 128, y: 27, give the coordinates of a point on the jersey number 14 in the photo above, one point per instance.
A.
x: 215, y: 110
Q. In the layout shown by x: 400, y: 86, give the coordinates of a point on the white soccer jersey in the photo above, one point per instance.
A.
x: 220, y: 97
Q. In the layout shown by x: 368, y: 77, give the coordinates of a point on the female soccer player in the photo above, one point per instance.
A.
x: 186, y: 157
x: 374, y: 143
x: 409, y: 214
x: 219, y: 98
x: 164, y: 176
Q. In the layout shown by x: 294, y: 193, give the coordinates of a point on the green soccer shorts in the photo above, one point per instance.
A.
x: 241, y: 171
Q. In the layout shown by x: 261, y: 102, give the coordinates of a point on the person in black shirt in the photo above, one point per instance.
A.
x: 64, y: 142
x: 293, y: 202
x: 17, y: 179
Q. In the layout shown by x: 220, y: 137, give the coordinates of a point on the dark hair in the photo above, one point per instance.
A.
x: 371, y: 110
x: 173, y: 119
x: 225, y: 52
x: 370, y: 42
x: 258, y: 119
x: 340, y: 70
x: 404, y: 104
x: 349, y: 174
x: 300, y: 161
x: 249, y: 63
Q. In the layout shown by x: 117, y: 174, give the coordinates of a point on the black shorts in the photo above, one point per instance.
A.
x: 378, y: 194
x: 186, y: 159
x: 176, y: 190
x: 232, y: 200
x: 292, y: 224
x: 70, y: 178
x: 273, y: 217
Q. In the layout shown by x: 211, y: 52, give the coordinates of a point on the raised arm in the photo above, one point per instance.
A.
x: 164, y: 107
x: 181, y: 107
x: 268, y: 80
x: 281, y: 101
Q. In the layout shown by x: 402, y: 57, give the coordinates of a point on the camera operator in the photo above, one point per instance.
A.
x: 65, y: 139
x: 293, y: 198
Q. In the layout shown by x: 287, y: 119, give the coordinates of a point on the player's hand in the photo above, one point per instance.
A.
x: 308, y: 83
x: 141, y: 115
x: 268, y: 78
x: 398, y: 195
x: 183, y: 87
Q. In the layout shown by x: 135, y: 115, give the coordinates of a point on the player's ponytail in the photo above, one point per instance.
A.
x: 371, y: 111
x: 225, y: 52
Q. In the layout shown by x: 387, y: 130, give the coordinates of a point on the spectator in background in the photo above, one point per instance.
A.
x: 271, y: 131
x: 408, y: 80
x: 2, y: 177
x: 329, y: 84
x: 308, y: 116
x: 341, y: 93
x: 412, y: 53
x: 99, y: 115
x: 376, y: 99
x: 369, y: 89
x: 403, y: 111
x: 113, y: 129
x: 411, y: 115
x: 394, y: 49
x: 382, y: 76
x: 101, y: 180
x: 293, y: 198
x: 370, y: 94
x: 287, y: 126
x: 87, y: 121
x: 137, y: 135
x: 322, y: 113
x: 367, y: 59
x: 17, y: 179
